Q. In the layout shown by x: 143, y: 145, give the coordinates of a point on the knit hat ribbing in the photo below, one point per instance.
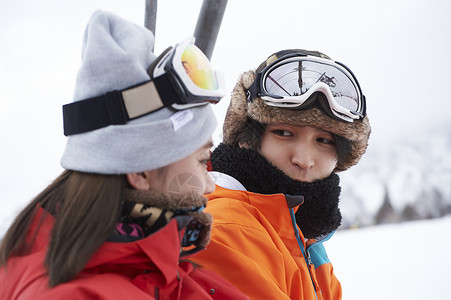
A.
x: 115, y: 55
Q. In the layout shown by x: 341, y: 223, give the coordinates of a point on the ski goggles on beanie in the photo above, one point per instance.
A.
x: 181, y: 77
x: 299, y: 81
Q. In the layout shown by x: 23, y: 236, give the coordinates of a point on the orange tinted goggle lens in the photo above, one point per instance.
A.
x: 198, y: 68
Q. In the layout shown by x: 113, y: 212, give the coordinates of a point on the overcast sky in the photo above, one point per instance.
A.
x: 399, y: 50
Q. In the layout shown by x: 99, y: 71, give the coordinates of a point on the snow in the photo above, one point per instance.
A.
x: 403, y: 261
x: 412, y: 172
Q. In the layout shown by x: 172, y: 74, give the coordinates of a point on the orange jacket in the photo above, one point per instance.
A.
x: 257, y: 246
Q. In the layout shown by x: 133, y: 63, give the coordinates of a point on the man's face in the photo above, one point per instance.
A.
x: 303, y: 153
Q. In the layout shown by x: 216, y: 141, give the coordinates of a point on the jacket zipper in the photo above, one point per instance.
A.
x: 305, y: 253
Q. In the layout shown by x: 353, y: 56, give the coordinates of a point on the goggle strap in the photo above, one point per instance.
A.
x: 363, y: 114
x: 252, y: 92
x: 94, y: 113
x: 156, y: 61
x: 166, y: 90
x: 111, y: 109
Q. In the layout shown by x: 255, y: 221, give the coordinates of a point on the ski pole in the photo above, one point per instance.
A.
x: 150, y: 16
x: 208, y: 24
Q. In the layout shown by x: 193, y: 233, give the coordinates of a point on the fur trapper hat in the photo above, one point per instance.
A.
x: 240, y: 109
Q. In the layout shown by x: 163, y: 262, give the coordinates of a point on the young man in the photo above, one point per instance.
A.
x: 291, y: 125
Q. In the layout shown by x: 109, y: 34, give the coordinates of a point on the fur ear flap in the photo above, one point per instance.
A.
x: 237, y: 112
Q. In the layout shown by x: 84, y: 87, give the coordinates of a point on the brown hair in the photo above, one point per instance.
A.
x: 252, y: 135
x: 85, y: 206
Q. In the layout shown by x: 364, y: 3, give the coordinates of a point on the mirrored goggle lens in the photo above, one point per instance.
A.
x: 198, y: 68
x: 297, y: 77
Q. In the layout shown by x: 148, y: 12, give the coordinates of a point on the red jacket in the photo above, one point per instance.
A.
x: 144, y: 269
x: 257, y: 246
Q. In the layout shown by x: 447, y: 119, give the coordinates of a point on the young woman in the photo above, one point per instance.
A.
x: 115, y: 223
x: 291, y: 125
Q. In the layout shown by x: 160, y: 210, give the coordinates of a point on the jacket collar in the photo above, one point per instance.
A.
x: 158, y: 253
x: 274, y: 207
x: 226, y: 181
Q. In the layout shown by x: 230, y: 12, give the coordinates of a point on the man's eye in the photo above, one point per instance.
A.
x: 326, y: 141
x: 281, y: 132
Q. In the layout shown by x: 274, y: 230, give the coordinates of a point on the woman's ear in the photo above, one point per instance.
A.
x: 139, y: 181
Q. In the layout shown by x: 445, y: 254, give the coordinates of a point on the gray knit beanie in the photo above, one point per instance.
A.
x: 115, y: 56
